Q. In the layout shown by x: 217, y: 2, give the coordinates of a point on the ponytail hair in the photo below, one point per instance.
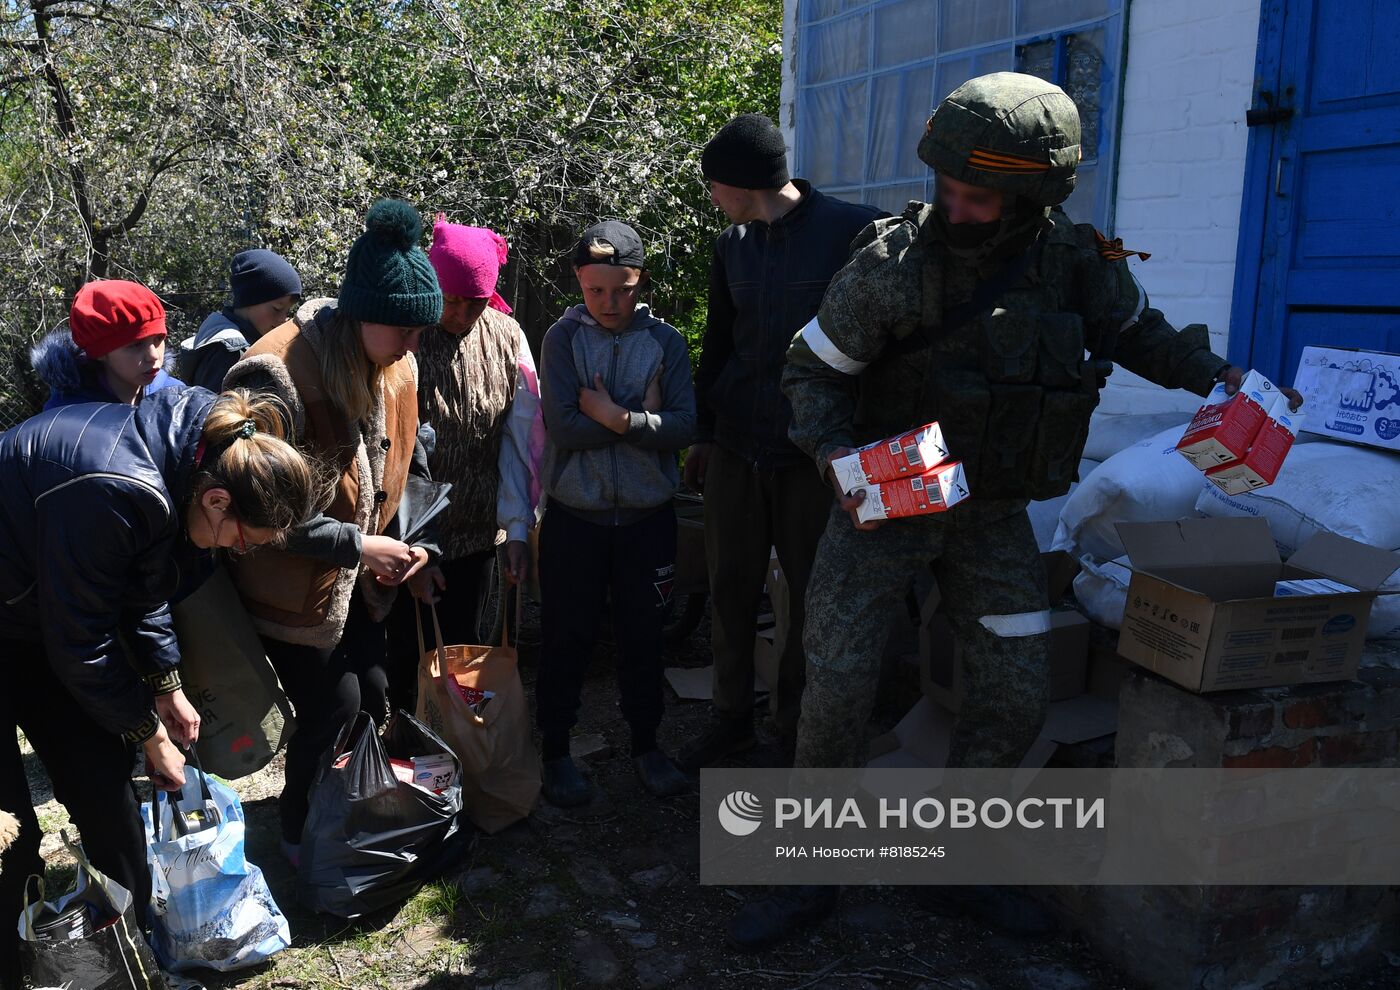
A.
x: 246, y: 452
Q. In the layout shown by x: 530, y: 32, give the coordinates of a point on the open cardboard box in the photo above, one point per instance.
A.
x: 1201, y: 610
x: 940, y: 656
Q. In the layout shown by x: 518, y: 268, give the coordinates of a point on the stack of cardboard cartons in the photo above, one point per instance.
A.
x: 940, y: 655
x: 1076, y: 714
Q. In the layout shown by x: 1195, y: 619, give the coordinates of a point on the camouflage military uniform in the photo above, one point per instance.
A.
x: 1013, y: 391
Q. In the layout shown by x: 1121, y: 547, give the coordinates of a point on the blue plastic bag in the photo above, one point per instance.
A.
x: 210, y: 907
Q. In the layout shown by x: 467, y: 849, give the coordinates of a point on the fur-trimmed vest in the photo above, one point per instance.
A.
x: 292, y: 597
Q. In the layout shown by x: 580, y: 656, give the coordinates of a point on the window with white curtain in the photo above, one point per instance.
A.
x: 869, y: 73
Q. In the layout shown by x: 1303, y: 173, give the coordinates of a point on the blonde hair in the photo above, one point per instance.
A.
x: 350, y: 377
x: 600, y: 250
x: 272, y: 484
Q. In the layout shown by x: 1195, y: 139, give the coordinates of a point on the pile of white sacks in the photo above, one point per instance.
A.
x: 1132, y: 473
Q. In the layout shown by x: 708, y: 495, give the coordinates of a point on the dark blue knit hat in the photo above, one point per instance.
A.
x: 259, y: 276
x: 388, y: 278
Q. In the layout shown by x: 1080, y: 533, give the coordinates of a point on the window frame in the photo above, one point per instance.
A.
x: 867, y: 188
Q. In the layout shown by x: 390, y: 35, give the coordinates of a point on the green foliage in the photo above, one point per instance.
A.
x: 153, y: 140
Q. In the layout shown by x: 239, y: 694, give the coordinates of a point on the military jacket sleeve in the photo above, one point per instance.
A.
x: 1116, y: 308
x: 872, y: 301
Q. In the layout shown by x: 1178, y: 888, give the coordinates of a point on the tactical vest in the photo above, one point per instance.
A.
x: 1012, y: 388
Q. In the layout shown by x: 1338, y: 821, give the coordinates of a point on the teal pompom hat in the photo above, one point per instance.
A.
x: 388, y: 278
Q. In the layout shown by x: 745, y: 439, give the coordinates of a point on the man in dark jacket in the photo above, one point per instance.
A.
x: 771, y: 269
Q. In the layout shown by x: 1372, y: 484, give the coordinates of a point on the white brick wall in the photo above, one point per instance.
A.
x: 1189, y: 79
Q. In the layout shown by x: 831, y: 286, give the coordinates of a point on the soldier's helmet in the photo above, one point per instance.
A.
x: 1008, y: 131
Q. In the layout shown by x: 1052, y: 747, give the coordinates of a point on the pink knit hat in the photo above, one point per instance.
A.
x: 468, y: 261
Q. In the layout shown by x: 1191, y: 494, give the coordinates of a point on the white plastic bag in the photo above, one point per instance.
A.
x: 210, y: 907
x: 1101, y: 588
x: 1322, y: 486
x: 1045, y: 516
x: 1109, y: 433
x: 1148, y: 482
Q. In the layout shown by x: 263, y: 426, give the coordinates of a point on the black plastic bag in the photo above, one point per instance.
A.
x: 421, y: 502
x: 106, y: 951
x: 370, y: 839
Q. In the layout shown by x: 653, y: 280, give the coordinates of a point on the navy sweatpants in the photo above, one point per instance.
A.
x: 582, y: 566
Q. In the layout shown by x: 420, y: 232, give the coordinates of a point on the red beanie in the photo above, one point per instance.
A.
x: 112, y: 313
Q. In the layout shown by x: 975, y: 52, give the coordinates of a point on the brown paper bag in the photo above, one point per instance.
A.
x: 500, y: 766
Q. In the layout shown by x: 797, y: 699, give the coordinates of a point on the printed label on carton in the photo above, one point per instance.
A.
x: 907, y: 455
x: 434, y: 773
x: 1224, y: 427
x: 934, y: 491
x: 1310, y: 586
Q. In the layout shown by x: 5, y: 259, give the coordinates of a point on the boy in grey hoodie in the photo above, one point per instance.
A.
x: 618, y: 405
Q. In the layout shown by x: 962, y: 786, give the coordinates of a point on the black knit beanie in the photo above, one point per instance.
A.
x: 748, y: 152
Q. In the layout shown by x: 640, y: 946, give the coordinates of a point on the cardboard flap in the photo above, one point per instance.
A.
x: 1357, y: 564
x: 1222, y: 558
x: 1152, y: 546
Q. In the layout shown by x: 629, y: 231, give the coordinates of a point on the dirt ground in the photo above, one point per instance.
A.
x: 609, y: 896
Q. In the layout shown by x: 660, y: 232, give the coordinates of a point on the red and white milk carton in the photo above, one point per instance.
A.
x: 1223, y: 429
x: 1261, y: 465
x: 933, y: 491
x: 904, y: 456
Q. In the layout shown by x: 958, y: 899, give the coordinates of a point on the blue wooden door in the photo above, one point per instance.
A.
x: 1319, y: 258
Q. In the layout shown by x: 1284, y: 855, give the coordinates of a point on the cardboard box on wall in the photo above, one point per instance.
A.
x: 1201, y: 608
x: 1351, y: 395
x: 940, y: 657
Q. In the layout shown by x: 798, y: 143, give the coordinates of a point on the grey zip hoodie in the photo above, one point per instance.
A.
x: 600, y: 476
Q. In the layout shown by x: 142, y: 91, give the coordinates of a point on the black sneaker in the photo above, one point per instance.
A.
x: 659, y: 775
x: 724, y: 737
x: 779, y: 915
x: 564, y: 786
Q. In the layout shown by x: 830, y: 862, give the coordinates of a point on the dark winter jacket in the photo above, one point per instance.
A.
x: 766, y: 283
x: 92, y: 542
x: 604, y: 477
x: 216, y: 346
x: 72, y: 377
